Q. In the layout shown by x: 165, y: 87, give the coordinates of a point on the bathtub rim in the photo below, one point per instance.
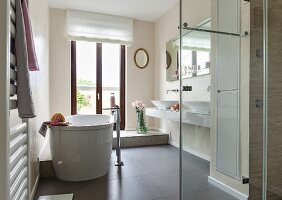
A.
x: 71, y: 127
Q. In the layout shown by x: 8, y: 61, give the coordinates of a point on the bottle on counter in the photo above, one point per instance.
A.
x: 195, y: 70
x: 113, y: 100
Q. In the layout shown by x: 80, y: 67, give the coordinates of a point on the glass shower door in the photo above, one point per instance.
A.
x: 272, y: 99
x: 214, y: 62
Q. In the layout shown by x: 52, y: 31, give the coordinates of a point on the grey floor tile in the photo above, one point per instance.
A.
x: 150, y: 173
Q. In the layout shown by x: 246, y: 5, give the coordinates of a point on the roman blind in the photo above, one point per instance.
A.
x: 95, y: 27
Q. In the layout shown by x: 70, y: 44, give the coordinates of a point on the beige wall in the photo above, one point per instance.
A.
x: 60, y: 63
x: 40, y: 85
x: 196, y: 139
x: 140, y: 82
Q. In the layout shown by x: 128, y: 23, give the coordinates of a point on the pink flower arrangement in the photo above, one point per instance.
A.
x: 138, y: 105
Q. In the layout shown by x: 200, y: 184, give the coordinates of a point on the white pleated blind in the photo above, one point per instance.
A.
x: 99, y: 28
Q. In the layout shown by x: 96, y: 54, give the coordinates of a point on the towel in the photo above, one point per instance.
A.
x: 44, y: 126
x: 24, y: 94
x: 31, y: 53
x: 43, y: 129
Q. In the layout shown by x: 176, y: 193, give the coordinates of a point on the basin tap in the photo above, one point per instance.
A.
x: 175, y: 90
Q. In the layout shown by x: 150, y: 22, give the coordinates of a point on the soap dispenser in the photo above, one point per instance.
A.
x: 113, y: 100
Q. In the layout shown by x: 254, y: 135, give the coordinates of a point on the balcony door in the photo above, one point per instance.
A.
x: 97, y: 72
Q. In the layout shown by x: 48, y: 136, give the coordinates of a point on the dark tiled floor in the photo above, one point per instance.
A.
x: 150, y: 173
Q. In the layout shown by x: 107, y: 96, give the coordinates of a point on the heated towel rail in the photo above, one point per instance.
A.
x: 13, y: 61
x: 19, y: 162
x: 18, y: 151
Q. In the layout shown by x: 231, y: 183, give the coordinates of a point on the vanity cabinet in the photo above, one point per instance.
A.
x: 228, y: 68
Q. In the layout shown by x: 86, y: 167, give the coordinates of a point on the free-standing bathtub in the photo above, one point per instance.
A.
x: 82, y: 151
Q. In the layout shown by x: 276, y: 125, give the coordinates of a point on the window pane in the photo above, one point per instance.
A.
x: 86, y: 77
x: 111, y: 74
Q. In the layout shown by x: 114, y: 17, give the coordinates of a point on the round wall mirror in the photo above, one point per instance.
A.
x: 168, y: 59
x: 141, y: 58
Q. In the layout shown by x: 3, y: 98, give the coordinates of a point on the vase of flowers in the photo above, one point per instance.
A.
x: 141, y: 125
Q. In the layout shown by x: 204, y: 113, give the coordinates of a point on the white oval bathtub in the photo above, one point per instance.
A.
x: 82, y: 151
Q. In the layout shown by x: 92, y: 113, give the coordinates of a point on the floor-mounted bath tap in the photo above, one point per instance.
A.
x: 116, y: 113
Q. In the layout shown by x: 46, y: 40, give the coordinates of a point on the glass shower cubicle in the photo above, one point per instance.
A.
x: 230, y: 77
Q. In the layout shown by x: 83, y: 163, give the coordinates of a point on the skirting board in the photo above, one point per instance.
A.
x: 34, y: 189
x: 191, y: 151
x: 227, y: 189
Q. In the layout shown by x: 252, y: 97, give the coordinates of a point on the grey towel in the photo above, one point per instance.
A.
x: 24, y: 94
x: 43, y: 129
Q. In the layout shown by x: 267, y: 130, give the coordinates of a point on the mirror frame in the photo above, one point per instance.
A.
x: 168, y: 63
x: 147, y: 55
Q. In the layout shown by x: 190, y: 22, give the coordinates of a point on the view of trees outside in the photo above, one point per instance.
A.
x: 86, y: 75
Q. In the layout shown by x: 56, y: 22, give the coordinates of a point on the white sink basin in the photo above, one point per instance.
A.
x: 164, y: 105
x: 197, y: 106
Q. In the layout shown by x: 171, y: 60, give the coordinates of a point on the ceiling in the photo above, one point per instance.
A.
x: 149, y: 10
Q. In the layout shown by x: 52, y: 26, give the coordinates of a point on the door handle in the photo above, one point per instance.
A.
x: 98, y: 96
x: 259, y: 103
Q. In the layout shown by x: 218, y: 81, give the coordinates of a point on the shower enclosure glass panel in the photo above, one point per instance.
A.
x: 265, y: 100
x: 214, y: 116
x: 256, y: 100
x: 272, y: 84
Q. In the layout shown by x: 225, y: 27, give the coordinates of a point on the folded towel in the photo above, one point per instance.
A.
x: 43, y: 129
x: 44, y: 126
x: 24, y: 94
x: 31, y: 53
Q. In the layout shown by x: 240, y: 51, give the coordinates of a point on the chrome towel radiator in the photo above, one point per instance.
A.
x: 18, y: 137
x: 19, y: 162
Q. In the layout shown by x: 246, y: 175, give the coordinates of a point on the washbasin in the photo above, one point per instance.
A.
x: 163, y: 105
x: 197, y: 106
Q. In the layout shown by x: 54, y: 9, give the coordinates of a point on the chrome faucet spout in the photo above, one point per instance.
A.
x: 174, y: 91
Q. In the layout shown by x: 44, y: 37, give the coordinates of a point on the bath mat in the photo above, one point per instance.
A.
x: 57, y: 197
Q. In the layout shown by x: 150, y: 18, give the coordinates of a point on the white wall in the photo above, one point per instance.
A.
x: 39, y: 80
x: 39, y: 83
x: 195, y: 138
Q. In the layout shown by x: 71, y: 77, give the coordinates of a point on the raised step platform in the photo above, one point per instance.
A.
x: 133, y: 139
